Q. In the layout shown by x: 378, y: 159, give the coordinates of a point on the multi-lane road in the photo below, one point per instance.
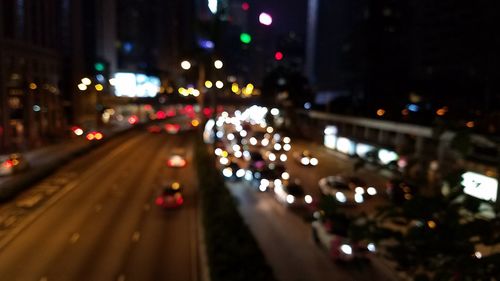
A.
x: 95, y: 218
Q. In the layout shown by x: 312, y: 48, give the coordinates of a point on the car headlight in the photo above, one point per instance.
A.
x: 277, y: 182
x: 371, y: 247
x: 358, y: 198
x: 308, y: 199
x: 346, y: 249
x: 314, y: 161
x: 240, y: 173
x: 340, y: 197
x: 283, y: 157
x: 285, y: 176
x: 264, y: 182
x: 371, y: 191
x: 359, y: 190
x: 290, y: 199
x: 227, y: 172
x: 287, y: 147
x: 272, y: 157
x: 304, y: 161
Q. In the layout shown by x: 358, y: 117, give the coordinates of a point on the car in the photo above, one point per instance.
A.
x: 305, y: 158
x: 154, y: 129
x: 400, y: 190
x: 12, y: 163
x: 270, y: 176
x: 347, y: 190
x: 334, y: 233
x: 172, y: 128
x: 292, y: 195
x: 177, y: 159
x: 256, y: 161
x: 94, y: 135
x: 170, y: 196
x: 233, y: 171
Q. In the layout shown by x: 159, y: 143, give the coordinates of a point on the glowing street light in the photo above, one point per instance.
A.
x: 185, y: 65
x: 86, y: 81
x: 99, y: 87
x: 218, y: 64
x: 265, y: 19
x: 82, y: 87
x: 208, y: 84
x: 219, y: 84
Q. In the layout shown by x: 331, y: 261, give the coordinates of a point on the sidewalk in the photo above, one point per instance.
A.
x: 45, y: 160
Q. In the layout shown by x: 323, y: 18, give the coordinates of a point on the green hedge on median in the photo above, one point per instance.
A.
x: 232, y: 251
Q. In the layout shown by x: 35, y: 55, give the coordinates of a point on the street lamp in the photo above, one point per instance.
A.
x: 86, y: 81
x: 208, y: 84
x: 219, y: 84
x: 218, y: 64
x: 185, y: 65
x: 82, y: 87
x: 265, y: 19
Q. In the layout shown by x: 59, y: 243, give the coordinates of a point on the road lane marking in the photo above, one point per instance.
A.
x: 136, y: 236
x: 74, y: 238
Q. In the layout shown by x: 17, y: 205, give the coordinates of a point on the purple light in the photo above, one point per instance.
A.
x: 265, y: 19
x: 205, y: 44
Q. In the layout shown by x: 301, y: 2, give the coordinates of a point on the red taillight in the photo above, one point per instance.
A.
x: 8, y: 164
x: 179, y: 200
x: 90, y: 136
x: 159, y: 201
x: 98, y: 136
x: 133, y: 120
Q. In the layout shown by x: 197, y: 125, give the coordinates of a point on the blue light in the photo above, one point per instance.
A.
x: 307, y: 105
x: 128, y: 47
x: 206, y: 44
x: 100, y: 78
x: 413, y: 107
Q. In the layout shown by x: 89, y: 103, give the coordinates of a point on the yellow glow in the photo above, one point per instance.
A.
x: 431, y: 224
x: 235, y: 88
x: 170, y: 90
x: 208, y: 84
x: 86, y: 81
x: 99, y: 87
x: 470, y: 124
x: 250, y: 87
x: 182, y: 91
x: 33, y: 86
x: 176, y: 185
x: 380, y: 112
x: 224, y: 154
x: 195, y: 123
x: 441, y: 112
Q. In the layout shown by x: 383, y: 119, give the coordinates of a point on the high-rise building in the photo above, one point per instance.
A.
x: 31, y: 101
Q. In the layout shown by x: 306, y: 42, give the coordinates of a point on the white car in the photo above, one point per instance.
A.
x: 346, y: 190
x: 332, y: 235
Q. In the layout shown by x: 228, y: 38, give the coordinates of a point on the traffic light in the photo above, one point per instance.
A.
x: 278, y: 55
x: 245, y: 38
x: 99, y: 66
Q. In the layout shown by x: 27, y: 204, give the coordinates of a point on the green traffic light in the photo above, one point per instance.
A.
x: 99, y: 66
x: 245, y: 38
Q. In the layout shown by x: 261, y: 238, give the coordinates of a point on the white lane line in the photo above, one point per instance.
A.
x: 136, y: 236
x: 74, y: 238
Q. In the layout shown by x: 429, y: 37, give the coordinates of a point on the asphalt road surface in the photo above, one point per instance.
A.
x: 95, y: 218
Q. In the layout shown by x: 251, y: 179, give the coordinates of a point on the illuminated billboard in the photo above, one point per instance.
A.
x: 129, y: 84
x: 480, y: 186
